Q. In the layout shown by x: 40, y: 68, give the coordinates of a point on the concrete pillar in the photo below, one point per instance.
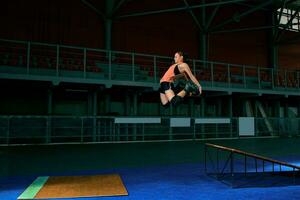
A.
x: 286, y: 108
x: 107, y: 103
x: 203, y: 35
x: 50, y: 101
x: 135, y: 104
x: 95, y: 103
x: 49, y: 112
x: 127, y: 104
x: 108, y: 24
x: 94, y: 112
x: 192, y: 107
x: 219, y: 107
x: 298, y: 108
x: 277, y: 109
x: 90, y: 103
x: 272, y: 47
x: 230, y: 112
x: 202, y: 111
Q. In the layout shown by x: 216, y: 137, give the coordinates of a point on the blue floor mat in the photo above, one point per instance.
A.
x: 180, y: 181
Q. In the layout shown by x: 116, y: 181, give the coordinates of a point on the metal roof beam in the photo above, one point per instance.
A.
x: 251, y: 6
x: 116, y: 8
x: 94, y: 9
x: 212, y: 16
x: 193, y: 15
x: 178, y: 9
x: 245, y: 29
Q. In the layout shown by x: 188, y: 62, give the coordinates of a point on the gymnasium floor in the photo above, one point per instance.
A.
x: 164, y: 170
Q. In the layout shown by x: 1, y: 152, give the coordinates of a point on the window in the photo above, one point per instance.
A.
x: 286, y: 17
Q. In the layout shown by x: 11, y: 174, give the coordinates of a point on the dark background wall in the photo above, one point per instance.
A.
x: 63, y: 22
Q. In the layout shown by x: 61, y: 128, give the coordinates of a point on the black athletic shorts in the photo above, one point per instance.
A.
x: 166, y: 86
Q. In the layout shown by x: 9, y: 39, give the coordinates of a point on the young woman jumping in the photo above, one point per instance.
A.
x: 192, y: 86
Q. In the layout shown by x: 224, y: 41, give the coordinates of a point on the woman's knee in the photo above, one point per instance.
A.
x: 166, y: 104
x: 169, y: 94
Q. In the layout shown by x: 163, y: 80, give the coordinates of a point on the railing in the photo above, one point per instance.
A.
x: 82, y: 129
x: 239, y: 168
x: 50, y: 60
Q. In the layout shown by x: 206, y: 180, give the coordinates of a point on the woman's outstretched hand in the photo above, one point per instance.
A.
x: 200, y: 90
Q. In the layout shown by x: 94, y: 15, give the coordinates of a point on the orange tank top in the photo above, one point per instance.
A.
x: 169, y: 74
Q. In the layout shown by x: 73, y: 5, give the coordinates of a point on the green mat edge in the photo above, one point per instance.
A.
x: 34, y: 188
